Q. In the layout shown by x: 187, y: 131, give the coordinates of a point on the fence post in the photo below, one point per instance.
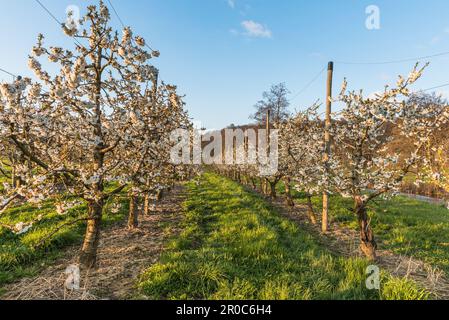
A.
x: 327, y: 140
x: 266, y: 185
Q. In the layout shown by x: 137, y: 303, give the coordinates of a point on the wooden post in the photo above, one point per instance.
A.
x: 146, y: 201
x: 268, y: 131
x: 267, y: 128
x: 327, y: 139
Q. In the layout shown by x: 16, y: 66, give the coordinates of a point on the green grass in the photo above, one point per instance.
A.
x: 19, y: 258
x: 402, y: 225
x: 236, y: 246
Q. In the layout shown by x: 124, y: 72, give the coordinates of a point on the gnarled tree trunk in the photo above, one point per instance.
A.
x: 88, y: 257
x: 368, y: 244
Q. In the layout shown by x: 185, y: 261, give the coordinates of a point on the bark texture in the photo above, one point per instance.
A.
x: 88, y: 257
x: 368, y: 243
x: 133, y: 216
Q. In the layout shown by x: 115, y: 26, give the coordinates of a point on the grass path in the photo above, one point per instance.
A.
x: 235, y: 245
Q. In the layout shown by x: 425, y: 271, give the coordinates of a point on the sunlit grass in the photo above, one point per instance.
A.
x: 19, y: 256
x: 236, y: 246
x: 405, y: 226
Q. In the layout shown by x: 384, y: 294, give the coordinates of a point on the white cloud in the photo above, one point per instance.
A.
x: 231, y: 3
x: 254, y: 29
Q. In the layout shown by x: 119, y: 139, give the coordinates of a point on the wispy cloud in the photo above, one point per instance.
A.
x: 256, y: 30
x: 231, y: 3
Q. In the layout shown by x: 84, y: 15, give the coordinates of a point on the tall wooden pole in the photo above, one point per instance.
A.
x: 327, y: 140
x: 268, y: 128
x: 267, y: 131
x: 146, y: 201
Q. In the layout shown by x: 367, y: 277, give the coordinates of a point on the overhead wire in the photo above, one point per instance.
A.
x: 307, y: 86
x: 123, y: 24
x: 8, y: 73
x: 436, y: 87
x: 301, y: 91
x: 55, y: 18
x: 393, y: 61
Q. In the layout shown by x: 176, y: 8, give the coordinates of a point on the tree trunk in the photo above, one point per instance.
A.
x: 325, y: 214
x: 288, y: 194
x: 160, y: 195
x: 88, y: 257
x: 13, y: 176
x: 272, y: 190
x: 310, y: 211
x: 253, y: 183
x: 133, y: 217
x: 368, y: 244
x: 146, y: 204
x: 265, y: 186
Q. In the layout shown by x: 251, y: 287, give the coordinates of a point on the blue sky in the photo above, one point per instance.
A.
x: 223, y: 54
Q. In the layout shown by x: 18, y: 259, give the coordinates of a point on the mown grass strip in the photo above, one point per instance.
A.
x: 236, y: 246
